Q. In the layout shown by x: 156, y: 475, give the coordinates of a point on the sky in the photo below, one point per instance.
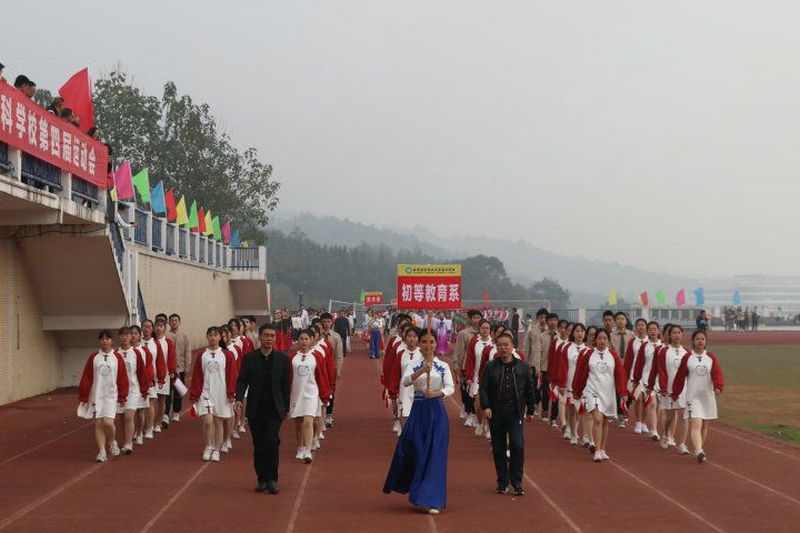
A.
x: 657, y: 134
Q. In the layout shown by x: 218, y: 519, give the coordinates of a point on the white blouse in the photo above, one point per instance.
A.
x: 441, y: 378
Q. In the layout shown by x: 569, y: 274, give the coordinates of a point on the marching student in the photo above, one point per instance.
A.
x: 137, y: 387
x: 236, y: 345
x: 147, y: 381
x: 618, y: 340
x: 325, y: 349
x: 337, y: 344
x: 310, y: 390
x: 150, y: 347
x: 463, y: 339
x: 567, y: 362
x: 599, y: 379
x: 394, y: 346
x: 549, y: 408
x: 472, y: 367
x: 229, y: 425
x: 212, y: 392
x: 586, y: 418
x: 407, y: 355
x: 183, y: 361
x: 665, y: 367
x: 645, y: 399
x: 701, y: 376
x: 165, y: 361
x: 103, y: 385
x: 633, y: 350
x: 556, y: 343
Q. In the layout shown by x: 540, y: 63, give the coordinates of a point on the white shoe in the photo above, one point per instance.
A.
x: 654, y: 436
x: 623, y: 423
x: 157, y: 429
x: 139, y: 440
x: 301, y: 453
x: 586, y: 441
x: 207, y: 453
x: 315, y: 444
x: 223, y: 448
x: 598, y: 457
x: 700, y: 456
x: 508, y: 453
x: 664, y: 444
x: 242, y: 429
x: 101, y: 457
x: 114, y: 448
x: 479, y: 429
x: 462, y: 413
x: 215, y: 456
x: 433, y: 511
x: 176, y: 417
x: 468, y: 421
x: 165, y: 420
x: 683, y: 450
x: 545, y: 419
x: 574, y: 440
x: 671, y: 441
x: 396, y: 427
x: 148, y: 434
x: 487, y: 433
x: 645, y: 429
x: 553, y: 424
x: 321, y: 435
x: 229, y: 443
x: 307, y: 457
x: 235, y: 434
x: 567, y: 433
x: 127, y: 449
x: 638, y: 429
x: 604, y: 455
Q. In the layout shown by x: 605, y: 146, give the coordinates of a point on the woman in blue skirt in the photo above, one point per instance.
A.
x: 375, y: 325
x: 419, y: 466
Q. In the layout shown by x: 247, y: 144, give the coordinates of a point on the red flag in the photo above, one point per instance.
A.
x: 169, y: 198
x: 201, y: 219
x: 226, y: 233
x: 77, y: 95
x: 486, y: 298
x: 643, y: 298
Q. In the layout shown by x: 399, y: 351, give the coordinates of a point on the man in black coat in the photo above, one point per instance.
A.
x: 265, y: 376
x: 507, y: 397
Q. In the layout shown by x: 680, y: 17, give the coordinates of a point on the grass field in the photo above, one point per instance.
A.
x: 762, y: 388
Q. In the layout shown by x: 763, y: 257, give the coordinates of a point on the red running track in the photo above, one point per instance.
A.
x: 48, y: 480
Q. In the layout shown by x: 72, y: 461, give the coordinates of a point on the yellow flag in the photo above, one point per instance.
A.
x: 180, y: 211
x: 245, y: 245
x: 114, y: 194
x: 209, y: 230
x: 612, y: 296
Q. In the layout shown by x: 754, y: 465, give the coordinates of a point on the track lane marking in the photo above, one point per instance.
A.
x: 756, y: 483
x: 298, y: 501
x: 173, y: 499
x: 43, y: 444
x: 754, y: 443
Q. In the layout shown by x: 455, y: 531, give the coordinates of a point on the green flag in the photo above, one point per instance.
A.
x: 142, y: 183
x: 661, y: 298
x: 216, y: 229
x: 361, y: 298
x: 193, y: 223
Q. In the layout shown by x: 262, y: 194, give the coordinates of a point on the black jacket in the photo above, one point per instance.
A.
x: 490, y: 385
x: 251, y: 376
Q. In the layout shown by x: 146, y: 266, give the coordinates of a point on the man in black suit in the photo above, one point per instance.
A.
x: 265, y: 377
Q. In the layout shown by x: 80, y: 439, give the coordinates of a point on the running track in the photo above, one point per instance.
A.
x: 49, y: 482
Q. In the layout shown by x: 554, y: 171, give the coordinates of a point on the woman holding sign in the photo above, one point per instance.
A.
x: 419, y: 466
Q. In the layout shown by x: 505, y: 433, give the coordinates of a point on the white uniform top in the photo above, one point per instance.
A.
x: 601, y: 391
x: 135, y: 400
x: 405, y: 396
x: 701, y: 401
x: 163, y: 390
x: 103, y: 394
x: 441, y: 378
x: 214, y: 398
x: 150, y: 344
x: 479, y: 347
x: 648, y: 354
x: 573, y: 352
x: 673, y: 359
x: 304, y: 397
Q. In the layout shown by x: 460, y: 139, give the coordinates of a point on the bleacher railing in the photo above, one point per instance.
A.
x: 244, y: 258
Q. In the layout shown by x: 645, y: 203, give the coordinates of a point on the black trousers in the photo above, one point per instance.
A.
x: 265, y: 429
x: 466, y: 399
x: 506, y: 426
x: 329, y: 408
x: 544, y: 398
x: 174, y: 402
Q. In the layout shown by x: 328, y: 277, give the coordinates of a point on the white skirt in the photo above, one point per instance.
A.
x: 605, y: 405
x: 134, y: 402
x: 702, y: 405
x: 220, y: 409
x: 306, y: 407
x: 666, y: 403
x: 163, y: 390
x: 152, y: 393
x: 101, y: 409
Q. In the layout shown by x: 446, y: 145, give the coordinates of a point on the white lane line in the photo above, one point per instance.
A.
x: 172, y: 500
x: 667, y: 497
x: 754, y: 443
x: 42, y: 445
x: 756, y: 483
x: 298, y: 501
x: 432, y: 524
x: 50, y: 495
x: 553, y: 504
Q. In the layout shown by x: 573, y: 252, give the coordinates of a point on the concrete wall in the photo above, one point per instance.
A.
x: 201, y: 296
x: 30, y: 359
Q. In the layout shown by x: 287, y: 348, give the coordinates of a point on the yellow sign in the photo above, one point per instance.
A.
x: 428, y: 270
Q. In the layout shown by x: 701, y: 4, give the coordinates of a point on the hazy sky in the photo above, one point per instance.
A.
x: 659, y: 134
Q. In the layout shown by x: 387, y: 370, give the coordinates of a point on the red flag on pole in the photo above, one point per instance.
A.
x: 77, y: 95
x: 201, y: 219
x: 169, y: 198
x: 643, y: 298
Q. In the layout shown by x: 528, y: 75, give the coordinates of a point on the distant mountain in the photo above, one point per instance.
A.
x: 588, y: 279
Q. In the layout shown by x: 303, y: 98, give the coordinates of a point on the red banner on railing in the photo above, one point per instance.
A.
x: 27, y: 126
x: 373, y: 298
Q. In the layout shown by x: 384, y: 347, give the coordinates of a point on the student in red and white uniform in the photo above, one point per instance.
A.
x: 393, y: 347
x: 632, y: 350
x: 150, y: 348
x: 166, y: 370
x: 665, y: 367
x: 701, y: 376
x: 656, y: 389
x: 137, y: 387
x: 212, y: 392
x: 586, y: 418
x: 472, y: 366
x: 553, y: 352
x: 148, y: 379
x: 645, y: 400
x: 599, y: 378
x: 229, y: 424
x: 310, y: 390
x: 567, y: 360
x: 321, y: 344
x: 103, y: 385
x: 407, y: 354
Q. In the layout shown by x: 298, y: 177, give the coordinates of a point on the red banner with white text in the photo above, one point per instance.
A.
x: 429, y: 286
x: 27, y: 126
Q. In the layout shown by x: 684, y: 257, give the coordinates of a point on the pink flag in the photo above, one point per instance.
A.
x: 680, y: 299
x: 123, y: 179
x: 226, y: 233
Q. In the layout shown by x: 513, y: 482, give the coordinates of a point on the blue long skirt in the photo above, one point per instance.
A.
x: 374, y: 344
x: 419, y: 465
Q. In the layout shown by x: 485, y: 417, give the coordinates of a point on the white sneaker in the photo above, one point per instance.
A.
x: 176, y: 417
x: 623, y: 423
x: 301, y: 453
x: 207, y: 453
x: 604, y: 455
x: 487, y: 433
x: 586, y: 441
x: 235, y: 434
x: 638, y: 429
x: 148, y: 434
x: 139, y: 440
x: 229, y: 444
x: 645, y: 429
x: 322, y: 434
x: 157, y: 429
x: 307, y: 458
x: 215, y: 456
x: 223, y: 448
x: 479, y: 429
x: 462, y: 413
x: 554, y: 424
x: 101, y: 457
x: 598, y: 457
x: 396, y: 427
x: 433, y: 511
x: 683, y: 450
x: 567, y: 433
x: 664, y: 444
x: 242, y: 429
x: 671, y: 441
x: 654, y: 436
x: 574, y: 440
x: 508, y: 453
x: 114, y: 447
x: 127, y: 449
x: 315, y: 444
x: 468, y: 421
x: 165, y: 420
x: 700, y: 456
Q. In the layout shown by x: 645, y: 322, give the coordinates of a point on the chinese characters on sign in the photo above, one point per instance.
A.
x: 429, y: 286
x: 373, y: 298
x: 27, y: 126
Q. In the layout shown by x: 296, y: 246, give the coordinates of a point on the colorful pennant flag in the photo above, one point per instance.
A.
x: 201, y: 221
x: 680, y: 298
x: 226, y: 233
x: 193, y: 218
x: 699, y: 296
x: 123, y: 181
x: 361, y: 298
x: 180, y: 212
x: 612, y: 296
x: 245, y: 244
x: 235, y: 239
x: 737, y: 297
x: 169, y: 199
x: 208, y: 229
x: 157, y: 201
x: 643, y: 298
x: 661, y: 298
x: 142, y: 183
x: 216, y: 229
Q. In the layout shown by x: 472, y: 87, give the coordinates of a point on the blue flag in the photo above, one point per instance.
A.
x: 235, y: 239
x: 699, y: 296
x: 157, y: 202
x: 737, y: 297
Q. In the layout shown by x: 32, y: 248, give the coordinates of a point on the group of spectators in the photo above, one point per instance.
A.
x: 740, y: 319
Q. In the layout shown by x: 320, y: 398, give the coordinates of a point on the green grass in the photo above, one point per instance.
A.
x: 762, y: 388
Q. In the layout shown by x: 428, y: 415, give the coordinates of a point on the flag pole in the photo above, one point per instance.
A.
x: 430, y: 320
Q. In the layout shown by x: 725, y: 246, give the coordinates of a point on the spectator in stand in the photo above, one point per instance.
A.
x: 702, y: 321
x: 20, y: 82
x: 30, y: 89
x: 56, y: 106
x: 94, y: 133
x: 2, y: 66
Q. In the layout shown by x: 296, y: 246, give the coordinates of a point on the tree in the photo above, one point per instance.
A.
x: 550, y: 289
